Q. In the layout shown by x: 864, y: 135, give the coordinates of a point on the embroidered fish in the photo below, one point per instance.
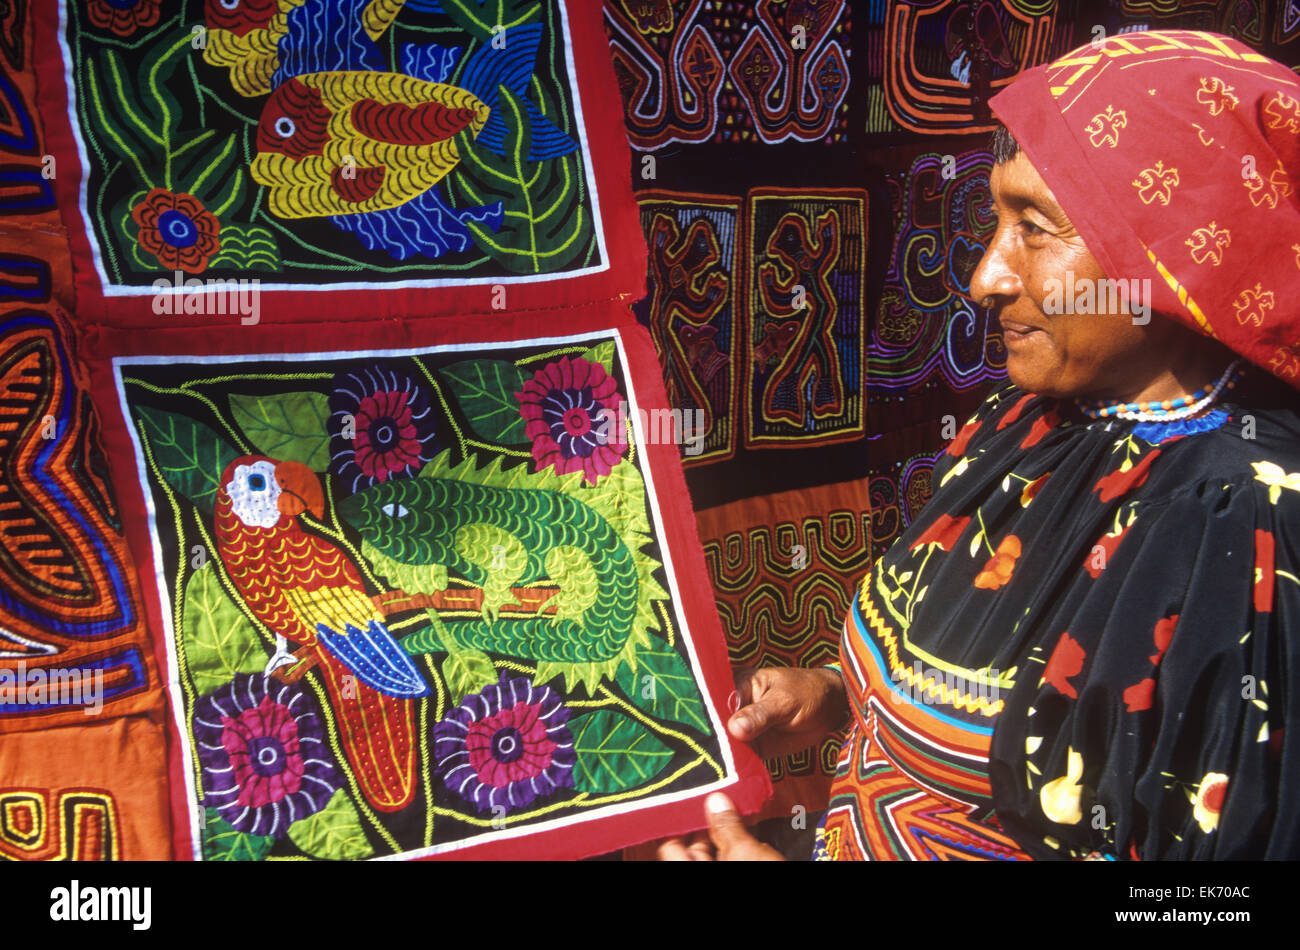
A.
x: 343, y: 136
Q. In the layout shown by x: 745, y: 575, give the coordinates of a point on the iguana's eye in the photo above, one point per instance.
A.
x: 394, y: 510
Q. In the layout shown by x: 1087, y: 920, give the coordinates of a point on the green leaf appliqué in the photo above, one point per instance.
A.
x: 546, y: 226
x: 485, y: 390
x: 467, y: 671
x: 219, y: 640
x: 333, y: 833
x: 602, y: 353
x: 615, y: 753
x: 663, y: 686
x: 290, y: 426
x: 189, y: 455
x: 221, y: 842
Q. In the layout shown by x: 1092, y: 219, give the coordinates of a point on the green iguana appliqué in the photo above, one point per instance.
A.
x: 504, y: 529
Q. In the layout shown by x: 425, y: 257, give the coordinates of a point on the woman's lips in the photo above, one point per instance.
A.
x: 1014, y: 333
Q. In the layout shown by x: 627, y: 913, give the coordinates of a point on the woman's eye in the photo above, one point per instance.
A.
x: 1029, y: 227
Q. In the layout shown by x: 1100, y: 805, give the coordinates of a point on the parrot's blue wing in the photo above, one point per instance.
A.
x: 425, y: 6
x: 326, y: 36
x: 424, y: 225
x: 512, y: 67
x: 429, y: 61
x: 378, y: 660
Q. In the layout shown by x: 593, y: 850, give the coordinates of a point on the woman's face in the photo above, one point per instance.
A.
x: 1096, y: 355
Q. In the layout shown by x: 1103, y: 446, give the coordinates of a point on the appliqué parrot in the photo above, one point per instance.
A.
x: 308, y: 591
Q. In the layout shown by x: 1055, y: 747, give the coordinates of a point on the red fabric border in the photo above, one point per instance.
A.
x: 610, y: 155
x: 752, y: 786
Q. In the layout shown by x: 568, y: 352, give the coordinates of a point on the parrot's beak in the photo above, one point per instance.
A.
x: 300, y: 490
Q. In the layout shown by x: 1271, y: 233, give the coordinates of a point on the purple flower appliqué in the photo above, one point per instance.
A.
x: 506, y: 745
x: 264, y: 757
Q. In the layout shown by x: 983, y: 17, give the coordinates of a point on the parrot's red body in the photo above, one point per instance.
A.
x: 292, y: 581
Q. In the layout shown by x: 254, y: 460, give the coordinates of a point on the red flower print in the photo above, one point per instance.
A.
x: 1042, y: 425
x: 1264, y: 547
x: 1207, y: 803
x: 1118, y: 482
x: 1032, y: 489
x: 1096, y: 561
x: 1164, y: 633
x: 506, y: 746
x: 997, y: 571
x: 957, y: 447
x: 1138, y: 696
x: 1066, y: 661
x: 944, y: 532
x: 177, y: 230
x: 123, y: 17
x: 262, y: 748
x: 393, y: 433
x: 378, y: 455
x: 1014, y: 412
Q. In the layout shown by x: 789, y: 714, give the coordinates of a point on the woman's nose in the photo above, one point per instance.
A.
x: 994, y: 277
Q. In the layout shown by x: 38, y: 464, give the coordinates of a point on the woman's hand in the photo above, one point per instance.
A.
x: 784, y: 710
x: 726, y: 839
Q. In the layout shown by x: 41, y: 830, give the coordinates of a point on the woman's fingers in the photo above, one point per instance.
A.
x: 674, y: 849
x: 744, y: 687
x: 701, y: 848
x: 698, y: 848
x: 730, y: 836
x: 726, y: 840
x: 770, y: 703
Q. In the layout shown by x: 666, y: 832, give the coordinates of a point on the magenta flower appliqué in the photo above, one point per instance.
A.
x: 264, y: 758
x: 506, y: 746
x: 571, y: 411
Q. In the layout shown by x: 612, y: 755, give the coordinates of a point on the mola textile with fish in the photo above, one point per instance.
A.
x: 351, y: 145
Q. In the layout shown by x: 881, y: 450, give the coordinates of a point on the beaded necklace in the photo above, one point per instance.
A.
x: 1167, y: 410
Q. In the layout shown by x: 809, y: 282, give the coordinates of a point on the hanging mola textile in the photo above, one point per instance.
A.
x: 353, y: 284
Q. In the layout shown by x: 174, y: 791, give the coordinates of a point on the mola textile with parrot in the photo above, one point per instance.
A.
x: 292, y: 140
x: 416, y: 598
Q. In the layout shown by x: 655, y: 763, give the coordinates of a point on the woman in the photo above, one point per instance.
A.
x: 1088, y: 644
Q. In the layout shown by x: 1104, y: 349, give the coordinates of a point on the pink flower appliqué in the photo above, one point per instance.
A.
x: 571, y: 411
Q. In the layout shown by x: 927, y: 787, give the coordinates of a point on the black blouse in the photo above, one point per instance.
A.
x: 1136, y: 589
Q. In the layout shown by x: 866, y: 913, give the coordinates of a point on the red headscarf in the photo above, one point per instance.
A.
x: 1176, y: 155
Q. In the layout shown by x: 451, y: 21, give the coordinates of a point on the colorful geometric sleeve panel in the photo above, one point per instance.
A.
x: 330, y: 444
